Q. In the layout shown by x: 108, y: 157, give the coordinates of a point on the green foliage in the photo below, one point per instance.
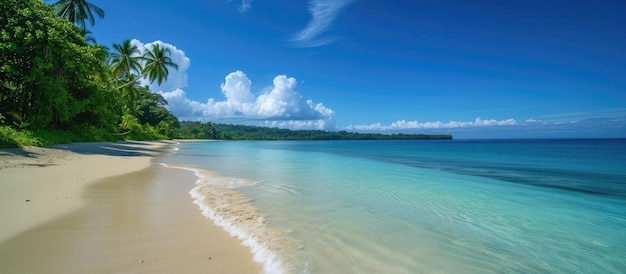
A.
x: 241, y: 132
x: 57, y: 137
x: 125, y: 60
x: 88, y: 134
x: 135, y: 130
x: 10, y: 137
x: 50, y: 76
x: 150, y: 118
x: 151, y: 109
x: 197, y: 130
x: 56, y: 88
x: 130, y: 123
x: 157, y: 62
x: 78, y: 11
x: 208, y: 130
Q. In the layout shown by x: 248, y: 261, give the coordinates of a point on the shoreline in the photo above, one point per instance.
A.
x: 66, y: 196
x: 43, y: 183
x: 231, y: 211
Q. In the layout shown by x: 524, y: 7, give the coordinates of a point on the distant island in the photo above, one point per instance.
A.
x: 208, y: 130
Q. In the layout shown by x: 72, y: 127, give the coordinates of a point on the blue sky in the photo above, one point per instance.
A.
x: 475, y: 69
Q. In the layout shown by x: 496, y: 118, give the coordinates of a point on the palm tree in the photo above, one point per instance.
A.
x: 131, y: 91
x: 125, y: 60
x: 157, y: 63
x: 87, y: 34
x: 77, y: 11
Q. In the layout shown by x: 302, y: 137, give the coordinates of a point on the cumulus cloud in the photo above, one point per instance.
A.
x: 278, y: 105
x: 176, y: 78
x: 236, y: 88
x: 411, y: 125
x: 323, y: 13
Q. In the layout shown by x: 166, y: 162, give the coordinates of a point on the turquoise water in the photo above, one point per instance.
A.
x: 512, y: 206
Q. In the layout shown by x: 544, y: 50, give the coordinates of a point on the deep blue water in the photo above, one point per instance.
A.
x: 516, y: 206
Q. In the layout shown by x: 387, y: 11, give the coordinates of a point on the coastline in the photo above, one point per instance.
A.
x: 97, y: 207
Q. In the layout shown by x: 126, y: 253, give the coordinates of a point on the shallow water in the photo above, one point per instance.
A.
x: 532, y: 206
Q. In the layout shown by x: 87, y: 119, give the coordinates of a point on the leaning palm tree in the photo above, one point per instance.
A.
x: 130, y: 92
x: 125, y: 60
x: 157, y: 63
x: 78, y: 11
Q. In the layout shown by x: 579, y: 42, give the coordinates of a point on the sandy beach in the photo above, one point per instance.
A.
x: 103, y: 208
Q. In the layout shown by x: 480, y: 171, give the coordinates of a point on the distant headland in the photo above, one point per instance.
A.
x: 208, y: 130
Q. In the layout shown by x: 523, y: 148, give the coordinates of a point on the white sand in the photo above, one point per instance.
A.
x: 53, y: 200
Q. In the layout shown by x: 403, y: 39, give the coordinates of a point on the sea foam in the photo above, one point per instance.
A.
x: 228, y: 208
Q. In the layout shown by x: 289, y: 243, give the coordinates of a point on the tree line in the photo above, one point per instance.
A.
x: 209, y: 130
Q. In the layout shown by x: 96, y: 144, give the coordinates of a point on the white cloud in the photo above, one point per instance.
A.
x: 323, y: 13
x: 531, y: 121
x: 180, y: 105
x: 177, y: 78
x: 412, y: 125
x: 614, y: 127
x: 277, y: 106
x: 236, y: 88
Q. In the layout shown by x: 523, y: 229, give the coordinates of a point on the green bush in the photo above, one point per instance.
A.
x: 10, y: 137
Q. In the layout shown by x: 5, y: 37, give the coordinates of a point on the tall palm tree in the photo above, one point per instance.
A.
x: 78, y: 11
x: 125, y: 60
x: 157, y: 63
x: 125, y: 63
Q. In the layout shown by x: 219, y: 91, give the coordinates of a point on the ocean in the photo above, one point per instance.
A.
x: 459, y: 206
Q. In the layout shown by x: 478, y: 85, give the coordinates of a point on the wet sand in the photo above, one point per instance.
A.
x: 139, y: 222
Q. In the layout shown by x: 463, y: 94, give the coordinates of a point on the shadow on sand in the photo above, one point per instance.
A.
x: 122, y: 148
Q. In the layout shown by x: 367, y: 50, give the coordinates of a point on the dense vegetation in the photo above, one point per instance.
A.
x: 208, y: 130
x: 57, y: 87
